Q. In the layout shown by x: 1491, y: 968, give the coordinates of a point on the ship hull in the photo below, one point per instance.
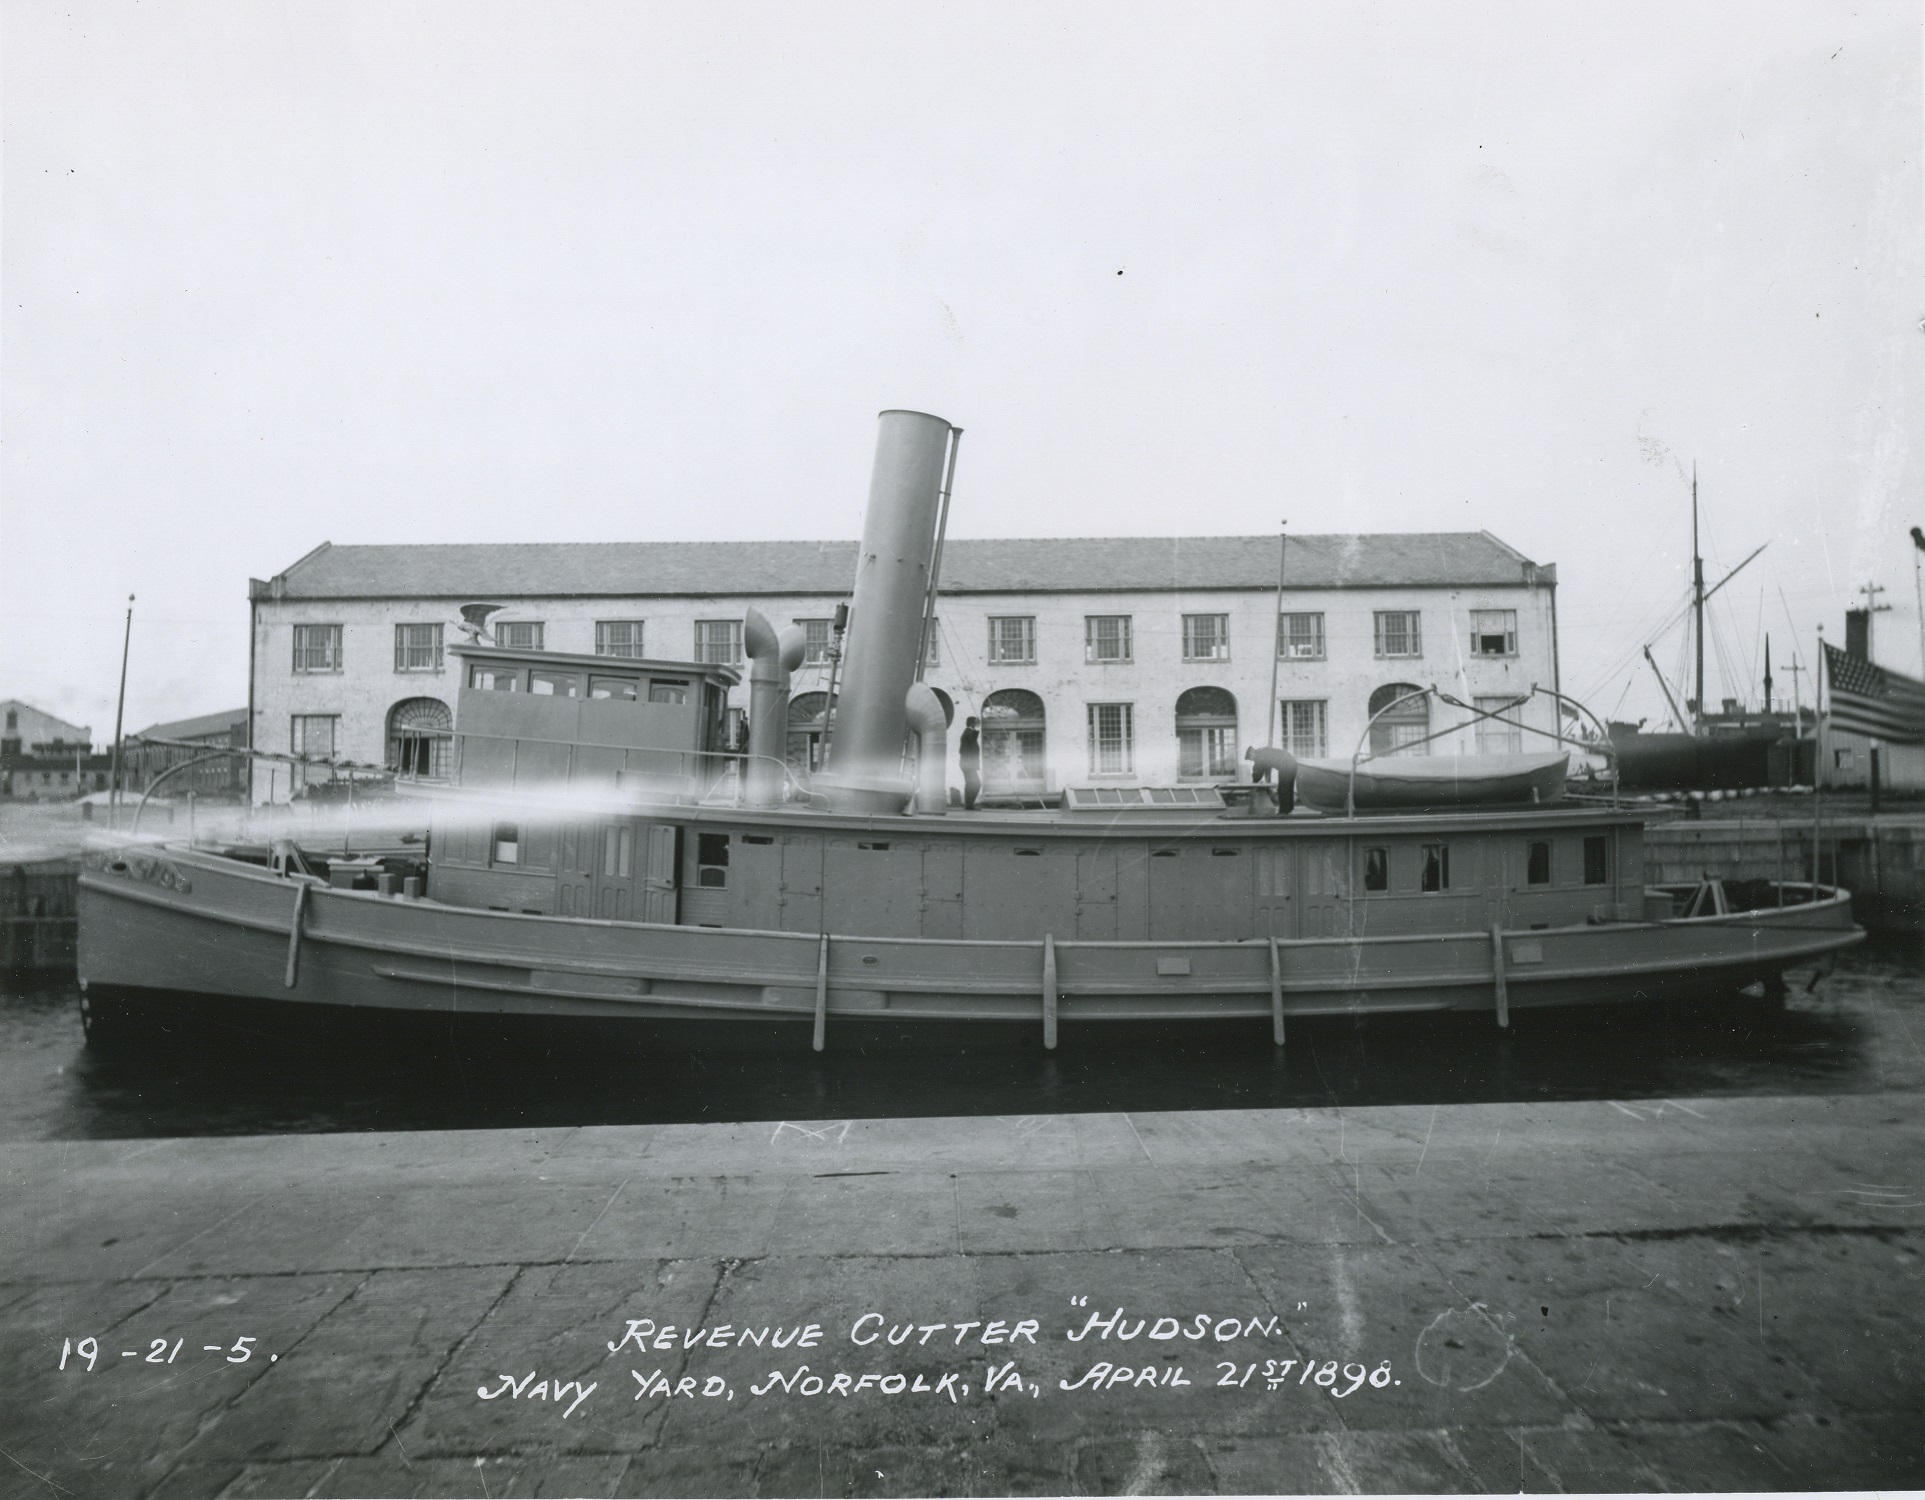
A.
x: 175, y: 922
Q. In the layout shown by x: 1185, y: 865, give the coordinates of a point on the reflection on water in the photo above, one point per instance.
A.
x: 1858, y: 1030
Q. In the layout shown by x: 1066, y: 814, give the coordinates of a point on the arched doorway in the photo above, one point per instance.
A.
x: 420, y: 731
x: 1206, y: 734
x: 1398, y: 732
x: 1014, y: 742
x: 808, y: 721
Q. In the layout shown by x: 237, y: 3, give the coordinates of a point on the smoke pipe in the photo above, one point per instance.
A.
x: 930, y: 725
x: 893, y: 577
x: 772, y: 657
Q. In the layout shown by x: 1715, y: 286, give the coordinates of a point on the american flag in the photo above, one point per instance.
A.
x: 1872, y: 701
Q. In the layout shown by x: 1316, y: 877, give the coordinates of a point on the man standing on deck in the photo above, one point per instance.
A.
x: 969, y: 751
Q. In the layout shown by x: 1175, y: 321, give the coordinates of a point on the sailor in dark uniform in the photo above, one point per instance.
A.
x: 969, y: 751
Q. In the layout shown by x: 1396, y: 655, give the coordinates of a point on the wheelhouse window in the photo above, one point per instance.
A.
x: 667, y: 690
x: 1500, y: 736
x: 1303, y: 726
x: 719, y: 642
x: 1398, y: 633
x: 544, y: 684
x: 1435, y: 871
x: 317, y: 648
x: 1106, y: 639
x: 494, y: 679
x: 1012, y: 639
x: 1376, y: 869
x: 1206, y: 733
x: 1493, y: 632
x: 417, y: 648
x: 1112, y: 739
x: 712, y: 860
x: 505, y: 845
x: 1300, y: 636
x: 1537, y: 864
x: 1206, y: 637
x: 618, y: 638
x: 816, y: 638
x: 1597, y: 860
x: 619, y: 689
x: 520, y: 635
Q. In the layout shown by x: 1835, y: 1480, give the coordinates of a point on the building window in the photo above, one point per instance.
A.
x: 618, y: 637
x: 932, y: 652
x: 1206, y: 733
x: 719, y: 642
x: 1398, y: 634
x: 313, y: 734
x: 1597, y: 860
x: 808, y: 722
x: 1376, y: 869
x: 317, y: 648
x: 1406, y: 727
x: 1015, y: 742
x: 420, y: 730
x: 1206, y: 637
x: 1112, y: 740
x: 506, y: 844
x: 1537, y: 865
x: 1012, y: 639
x: 1436, y: 867
x: 1300, y: 636
x: 1493, y: 632
x: 1106, y: 638
x: 1498, y: 736
x: 519, y: 635
x: 417, y: 648
x: 816, y: 637
x: 1303, y: 727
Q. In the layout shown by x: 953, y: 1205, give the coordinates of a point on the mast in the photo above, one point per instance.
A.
x: 1767, y: 674
x: 1697, y: 601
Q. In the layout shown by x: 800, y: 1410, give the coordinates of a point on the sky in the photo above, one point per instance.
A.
x: 275, y: 274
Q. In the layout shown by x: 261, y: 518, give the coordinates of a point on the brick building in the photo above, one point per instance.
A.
x: 44, y: 759
x: 1118, y: 660
x: 224, y: 777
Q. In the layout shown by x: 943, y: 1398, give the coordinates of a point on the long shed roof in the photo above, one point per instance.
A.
x: 1013, y: 565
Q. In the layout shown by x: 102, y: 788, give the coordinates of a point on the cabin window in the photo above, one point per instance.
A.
x: 712, y: 860
x: 1597, y: 860
x: 1436, y: 871
x: 555, y: 684
x: 663, y: 690
x: 618, y: 853
x: 494, y: 679
x: 1376, y: 869
x: 620, y: 689
x: 507, y: 843
x: 1537, y: 865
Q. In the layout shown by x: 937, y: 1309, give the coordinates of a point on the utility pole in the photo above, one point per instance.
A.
x: 1276, y: 646
x: 1918, y: 585
x: 1873, y: 608
x: 1797, y: 707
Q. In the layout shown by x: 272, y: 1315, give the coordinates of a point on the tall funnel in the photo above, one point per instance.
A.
x: 864, y: 771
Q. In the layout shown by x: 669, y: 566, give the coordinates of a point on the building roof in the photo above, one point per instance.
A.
x: 1042, y: 565
x: 194, y: 729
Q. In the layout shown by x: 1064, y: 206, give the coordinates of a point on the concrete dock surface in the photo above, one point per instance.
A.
x: 1691, y: 1294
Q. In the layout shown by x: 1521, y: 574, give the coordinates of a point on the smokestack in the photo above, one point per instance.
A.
x: 1858, y: 633
x: 864, y: 772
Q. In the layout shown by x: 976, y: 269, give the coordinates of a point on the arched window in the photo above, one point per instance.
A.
x: 808, y: 720
x: 419, y: 733
x: 1206, y: 734
x: 1398, y: 731
x: 1014, y: 742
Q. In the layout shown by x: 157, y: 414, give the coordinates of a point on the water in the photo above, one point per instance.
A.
x: 1859, y: 1030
